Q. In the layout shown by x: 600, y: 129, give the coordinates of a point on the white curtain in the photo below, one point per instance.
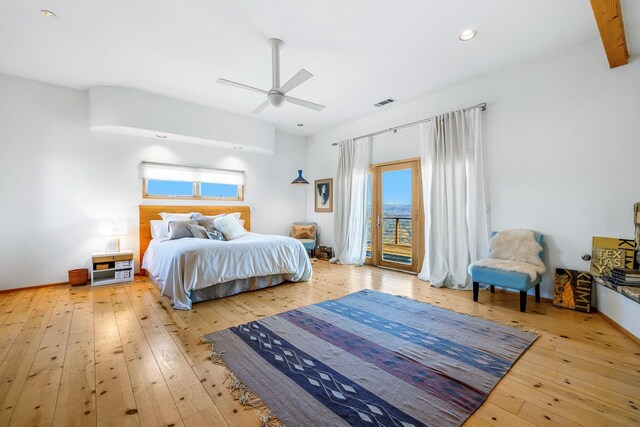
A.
x: 456, y: 226
x: 350, y: 220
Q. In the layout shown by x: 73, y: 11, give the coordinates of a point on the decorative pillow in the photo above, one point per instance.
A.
x: 180, y: 229
x: 237, y: 215
x: 159, y: 229
x: 198, y: 231
x: 206, y: 221
x: 169, y: 217
x: 215, y: 235
x: 303, y: 231
x: 230, y: 227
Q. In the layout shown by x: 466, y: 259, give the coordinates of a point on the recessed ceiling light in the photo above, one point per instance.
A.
x: 48, y: 13
x: 161, y: 136
x: 300, y: 125
x: 237, y: 147
x: 467, y: 35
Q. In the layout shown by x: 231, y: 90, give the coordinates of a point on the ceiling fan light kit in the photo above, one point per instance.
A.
x: 277, y: 95
x: 275, y: 98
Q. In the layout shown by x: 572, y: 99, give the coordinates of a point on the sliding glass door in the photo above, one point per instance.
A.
x: 394, y: 232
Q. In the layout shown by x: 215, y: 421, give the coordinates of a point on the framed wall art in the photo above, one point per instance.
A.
x: 323, y: 191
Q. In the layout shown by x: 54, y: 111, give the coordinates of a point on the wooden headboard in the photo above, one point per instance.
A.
x: 147, y: 213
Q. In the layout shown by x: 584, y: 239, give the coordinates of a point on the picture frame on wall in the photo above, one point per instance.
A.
x: 323, y: 194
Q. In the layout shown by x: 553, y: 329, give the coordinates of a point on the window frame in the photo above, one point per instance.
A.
x: 196, y: 193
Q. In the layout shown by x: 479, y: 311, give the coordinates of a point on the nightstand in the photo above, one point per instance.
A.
x: 112, y: 267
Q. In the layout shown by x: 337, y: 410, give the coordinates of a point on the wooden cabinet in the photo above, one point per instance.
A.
x: 108, y: 268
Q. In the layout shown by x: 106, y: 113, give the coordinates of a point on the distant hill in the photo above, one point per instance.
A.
x: 397, y: 210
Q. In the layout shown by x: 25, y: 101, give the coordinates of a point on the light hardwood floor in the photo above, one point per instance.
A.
x: 120, y: 355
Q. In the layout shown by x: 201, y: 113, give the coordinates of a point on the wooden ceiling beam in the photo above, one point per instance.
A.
x: 608, y: 14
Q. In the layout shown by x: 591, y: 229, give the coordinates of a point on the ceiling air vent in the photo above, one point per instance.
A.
x: 384, y: 102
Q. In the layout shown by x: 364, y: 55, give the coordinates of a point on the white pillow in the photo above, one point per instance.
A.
x: 159, y: 229
x: 230, y: 227
x: 168, y: 217
x: 236, y: 215
x: 195, y: 214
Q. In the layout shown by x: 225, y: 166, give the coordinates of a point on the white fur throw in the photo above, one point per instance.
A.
x: 514, y: 250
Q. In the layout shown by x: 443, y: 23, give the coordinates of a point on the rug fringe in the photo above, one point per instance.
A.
x: 216, y: 359
x: 269, y: 419
x: 241, y: 392
x: 502, y: 322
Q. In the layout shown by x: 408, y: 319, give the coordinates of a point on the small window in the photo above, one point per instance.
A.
x: 162, y: 181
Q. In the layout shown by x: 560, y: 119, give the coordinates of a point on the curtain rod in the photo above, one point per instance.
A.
x: 482, y: 106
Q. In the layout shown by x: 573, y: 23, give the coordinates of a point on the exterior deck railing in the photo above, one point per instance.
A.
x: 393, y: 247
x: 397, y: 220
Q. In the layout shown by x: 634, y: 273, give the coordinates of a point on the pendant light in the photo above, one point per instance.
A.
x: 300, y: 179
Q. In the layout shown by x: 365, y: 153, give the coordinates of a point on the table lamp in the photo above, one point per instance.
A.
x: 112, y: 231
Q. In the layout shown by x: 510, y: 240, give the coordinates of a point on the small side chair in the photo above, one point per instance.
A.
x: 508, y: 279
x: 309, y: 243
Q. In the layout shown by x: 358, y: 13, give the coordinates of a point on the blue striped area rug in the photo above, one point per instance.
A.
x: 368, y: 359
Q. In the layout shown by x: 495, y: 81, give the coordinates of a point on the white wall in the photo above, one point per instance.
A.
x: 562, y: 143
x: 58, y: 180
x: 562, y: 149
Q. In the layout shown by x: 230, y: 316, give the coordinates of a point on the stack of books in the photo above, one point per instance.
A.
x: 625, y: 277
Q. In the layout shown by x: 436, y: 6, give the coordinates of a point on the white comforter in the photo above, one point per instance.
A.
x: 180, y: 266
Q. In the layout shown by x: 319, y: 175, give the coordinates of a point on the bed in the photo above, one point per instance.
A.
x: 192, y: 270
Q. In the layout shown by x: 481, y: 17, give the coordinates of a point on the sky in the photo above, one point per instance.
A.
x: 396, y: 187
x: 173, y: 188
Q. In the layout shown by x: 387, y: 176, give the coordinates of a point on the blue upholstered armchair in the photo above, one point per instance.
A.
x: 309, y: 244
x: 482, y: 272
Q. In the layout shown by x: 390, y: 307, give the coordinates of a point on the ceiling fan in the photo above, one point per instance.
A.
x: 278, y: 94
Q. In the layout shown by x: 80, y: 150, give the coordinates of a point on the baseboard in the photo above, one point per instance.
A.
x: 26, y: 288
x: 620, y: 328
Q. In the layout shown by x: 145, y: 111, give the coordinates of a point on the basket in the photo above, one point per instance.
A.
x: 78, y: 277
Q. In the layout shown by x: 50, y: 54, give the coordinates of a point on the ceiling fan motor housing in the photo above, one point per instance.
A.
x: 275, y: 98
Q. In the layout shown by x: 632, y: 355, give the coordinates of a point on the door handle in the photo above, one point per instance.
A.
x: 378, y: 221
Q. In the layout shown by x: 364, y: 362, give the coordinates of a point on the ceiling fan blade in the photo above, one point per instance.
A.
x: 297, y: 79
x: 260, y: 108
x: 241, y: 86
x: 304, y: 103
